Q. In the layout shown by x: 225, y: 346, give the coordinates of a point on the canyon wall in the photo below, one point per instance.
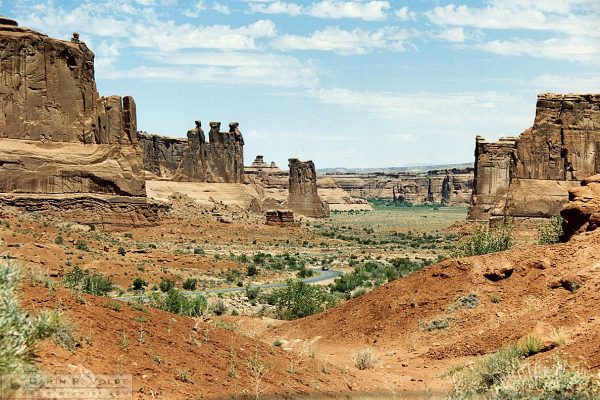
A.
x: 303, y: 197
x: 57, y: 135
x: 450, y: 186
x: 218, y: 160
x: 530, y: 176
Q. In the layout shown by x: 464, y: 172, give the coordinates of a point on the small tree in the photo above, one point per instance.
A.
x: 165, y: 285
x: 299, y: 299
x: 190, y: 284
x: 139, y: 284
x: 251, y: 270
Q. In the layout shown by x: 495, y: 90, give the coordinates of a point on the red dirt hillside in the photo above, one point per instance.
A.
x: 546, y: 291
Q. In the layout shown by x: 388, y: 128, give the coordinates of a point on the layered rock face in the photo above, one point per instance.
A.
x: 530, y: 176
x: 57, y: 136
x: 303, y: 197
x: 218, y: 160
x: 448, y: 186
x: 281, y: 218
x: 582, y: 212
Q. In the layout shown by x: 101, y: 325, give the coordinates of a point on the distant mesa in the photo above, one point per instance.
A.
x: 531, y: 175
x: 259, y: 165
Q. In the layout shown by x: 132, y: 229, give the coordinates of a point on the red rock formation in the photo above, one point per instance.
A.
x: 303, y: 197
x: 57, y: 136
x: 219, y: 160
x: 530, y: 176
x: 582, y: 212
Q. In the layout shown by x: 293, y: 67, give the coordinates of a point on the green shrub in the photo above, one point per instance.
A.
x: 557, y: 382
x: 19, y: 329
x: 166, y: 285
x: 365, y: 359
x: 139, y: 284
x: 113, y: 305
x: 469, y: 301
x: 552, y: 231
x: 251, y: 270
x: 177, y: 303
x: 529, y: 346
x: 219, y: 308
x: 484, y: 241
x: 305, y: 273
x: 253, y: 293
x: 488, y: 371
x: 190, y: 284
x: 87, y: 282
x: 121, y: 250
x: 199, y: 251
x: 298, y: 299
x: 435, y: 324
x: 81, y: 245
x: 59, y: 240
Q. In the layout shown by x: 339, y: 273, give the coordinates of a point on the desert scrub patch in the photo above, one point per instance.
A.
x: 435, y: 324
x: 190, y: 284
x: 82, y: 245
x: 20, y: 330
x: 529, y: 346
x: 183, y: 375
x: 484, y: 240
x: 558, y: 381
x: 552, y: 231
x: 487, y: 372
x: 113, y: 305
x: 365, y: 359
x: 88, y: 282
x: 469, y: 301
x: 177, y: 303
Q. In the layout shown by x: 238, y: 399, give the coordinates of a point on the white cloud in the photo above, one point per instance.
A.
x: 375, y: 10
x: 196, y: 10
x: 168, y: 36
x: 221, y: 8
x: 566, y: 84
x: 229, y: 68
x: 357, y: 41
x: 570, y: 48
x: 460, y: 113
x: 277, y: 7
x: 404, y: 14
x: 573, y: 27
x: 106, y: 55
x: 456, y: 34
x: 564, y: 16
x: 368, y: 11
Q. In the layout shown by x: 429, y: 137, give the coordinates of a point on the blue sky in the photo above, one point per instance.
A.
x: 367, y: 83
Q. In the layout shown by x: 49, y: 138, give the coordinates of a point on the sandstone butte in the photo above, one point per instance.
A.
x: 531, y: 175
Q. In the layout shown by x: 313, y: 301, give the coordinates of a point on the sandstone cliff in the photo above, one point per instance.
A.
x: 303, y: 197
x: 530, y: 176
x: 218, y: 160
x: 57, y: 136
